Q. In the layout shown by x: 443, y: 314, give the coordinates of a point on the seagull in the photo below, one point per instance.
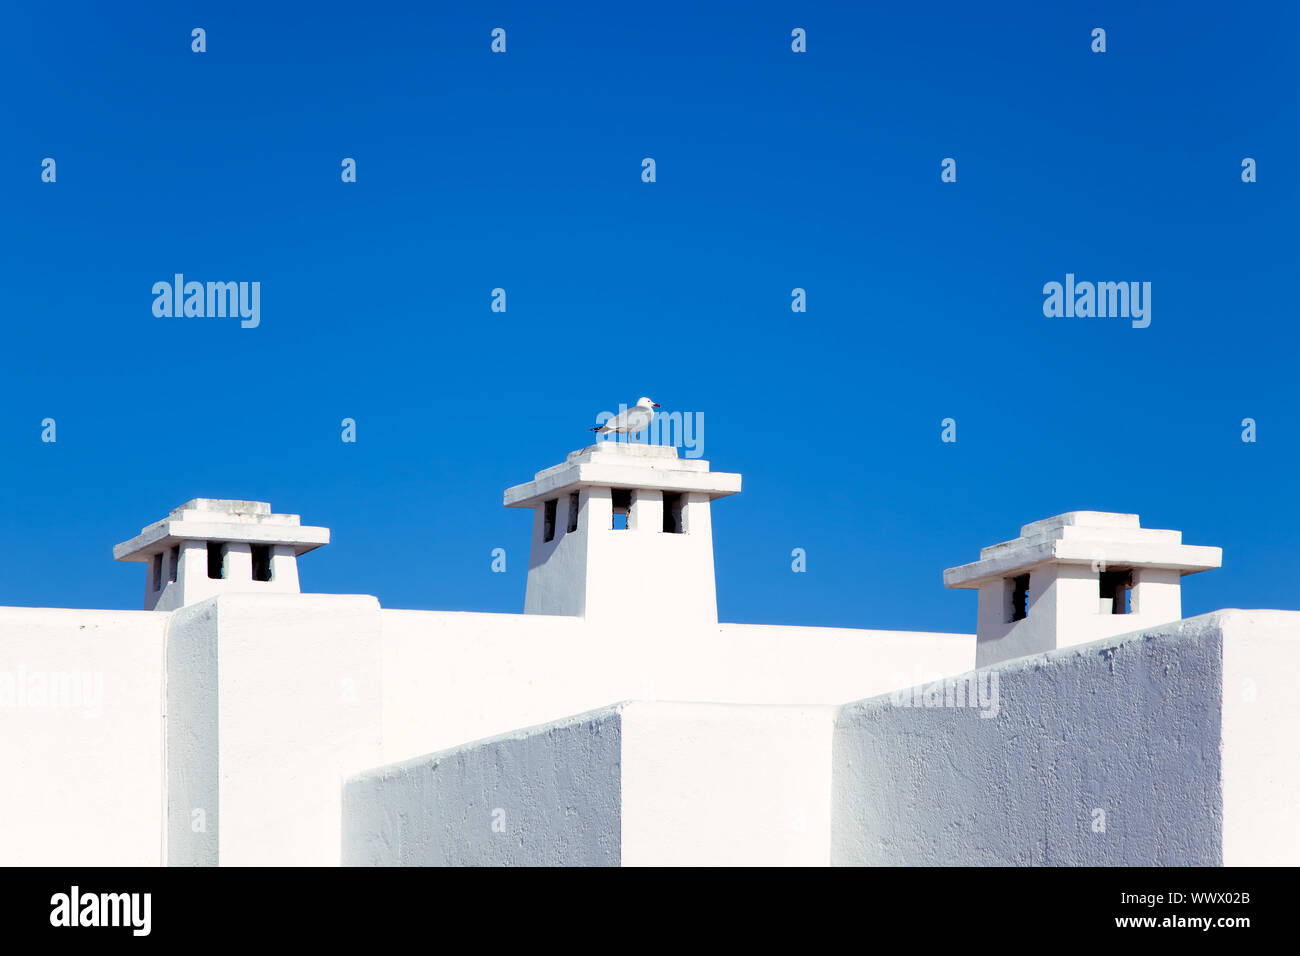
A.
x: 634, y: 419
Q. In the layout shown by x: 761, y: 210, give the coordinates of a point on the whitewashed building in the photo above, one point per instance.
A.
x: 239, y: 721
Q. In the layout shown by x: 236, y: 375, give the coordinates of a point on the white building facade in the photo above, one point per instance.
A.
x: 238, y: 721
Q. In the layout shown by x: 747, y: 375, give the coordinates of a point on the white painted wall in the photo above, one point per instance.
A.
x: 297, y: 709
x: 1127, y: 727
x: 1261, y: 737
x: 641, y: 783
x: 726, y: 785
x: 272, y: 701
x: 1183, y: 734
x: 81, y: 782
x: 453, y: 677
x: 539, y: 796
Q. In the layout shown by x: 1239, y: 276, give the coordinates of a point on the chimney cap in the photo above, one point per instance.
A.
x: 226, y: 520
x: 1084, y: 537
x: 611, y: 464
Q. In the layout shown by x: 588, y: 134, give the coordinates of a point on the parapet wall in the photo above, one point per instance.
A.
x: 1168, y: 747
x: 640, y: 783
x: 541, y: 796
x: 1103, y: 754
x: 450, y: 678
x: 233, y: 724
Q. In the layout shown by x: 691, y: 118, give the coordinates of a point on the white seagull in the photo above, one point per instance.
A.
x: 634, y: 419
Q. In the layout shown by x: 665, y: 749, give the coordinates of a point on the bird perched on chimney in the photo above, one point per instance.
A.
x: 630, y: 420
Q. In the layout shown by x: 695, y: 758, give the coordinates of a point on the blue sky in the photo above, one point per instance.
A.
x: 775, y: 170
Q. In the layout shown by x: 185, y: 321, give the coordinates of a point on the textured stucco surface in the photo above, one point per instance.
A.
x: 553, y: 790
x: 1129, y: 726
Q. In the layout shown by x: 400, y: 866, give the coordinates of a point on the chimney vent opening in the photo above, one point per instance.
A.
x: 216, y: 560
x: 1116, y: 586
x: 548, y: 519
x: 622, y: 501
x: 261, y: 562
x: 672, y: 512
x: 1019, y: 587
x: 572, y: 522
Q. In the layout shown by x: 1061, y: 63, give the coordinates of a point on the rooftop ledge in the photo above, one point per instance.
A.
x: 1085, y: 537
x: 623, y: 465
x: 222, y: 519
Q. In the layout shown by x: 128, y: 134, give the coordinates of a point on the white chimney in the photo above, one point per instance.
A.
x: 623, y: 529
x: 1074, y: 578
x: 214, y: 546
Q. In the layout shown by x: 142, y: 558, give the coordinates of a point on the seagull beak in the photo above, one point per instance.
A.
x: 655, y: 404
